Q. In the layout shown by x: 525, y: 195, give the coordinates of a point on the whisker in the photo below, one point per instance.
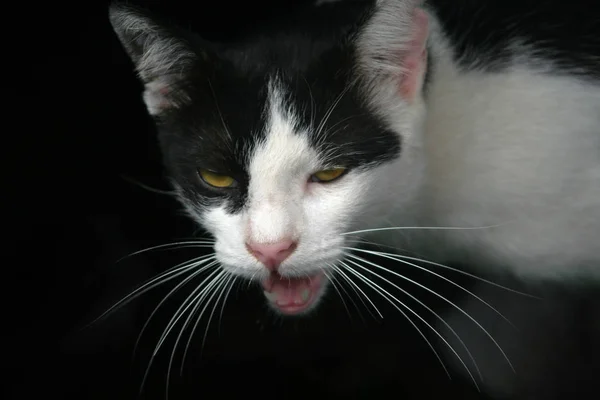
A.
x: 197, y: 301
x: 222, y: 290
x: 423, y: 260
x: 431, y: 311
x: 251, y: 280
x: 466, y: 274
x: 174, y: 290
x: 330, y: 129
x: 224, y: 124
x: 176, y: 317
x: 444, y: 228
x: 353, y: 286
x: 386, y: 296
x: 312, y: 102
x: 327, y: 115
x: 189, y: 243
x: 330, y: 279
x: 209, y: 293
x: 148, y: 188
x: 162, y: 278
x: 392, y: 257
x: 199, y: 293
x: 441, y: 297
x: 233, y: 281
x: 222, y: 281
x: 357, y: 288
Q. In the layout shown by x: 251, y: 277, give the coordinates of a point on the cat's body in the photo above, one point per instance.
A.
x: 503, y: 136
x: 518, y: 150
x: 476, y: 115
x: 511, y: 140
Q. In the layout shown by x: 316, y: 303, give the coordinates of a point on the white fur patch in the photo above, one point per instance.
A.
x: 522, y: 149
x: 519, y: 148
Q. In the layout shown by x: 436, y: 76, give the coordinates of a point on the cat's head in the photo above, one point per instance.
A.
x: 282, y: 143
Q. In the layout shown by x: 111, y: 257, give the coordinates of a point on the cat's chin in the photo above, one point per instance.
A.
x: 294, y: 296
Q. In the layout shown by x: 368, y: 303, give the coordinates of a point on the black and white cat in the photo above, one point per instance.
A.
x: 292, y: 145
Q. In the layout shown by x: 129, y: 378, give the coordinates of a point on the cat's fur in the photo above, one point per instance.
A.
x: 458, y: 114
x: 507, y: 133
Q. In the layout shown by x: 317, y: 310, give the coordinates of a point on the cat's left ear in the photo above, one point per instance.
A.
x: 392, y: 51
x: 162, y: 57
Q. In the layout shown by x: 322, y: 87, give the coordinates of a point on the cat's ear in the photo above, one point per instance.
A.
x: 392, y: 51
x: 162, y: 57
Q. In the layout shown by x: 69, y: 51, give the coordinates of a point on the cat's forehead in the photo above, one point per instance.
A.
x: 234, y: 114
x: 294, y: 93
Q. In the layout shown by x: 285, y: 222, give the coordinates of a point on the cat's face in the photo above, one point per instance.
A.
x: 282, y: 190
x: 272, y: 148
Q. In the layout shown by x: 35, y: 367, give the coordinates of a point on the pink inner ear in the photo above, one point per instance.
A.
x: 158, y: 96
x: 415, y: 58
x: 164, y: 93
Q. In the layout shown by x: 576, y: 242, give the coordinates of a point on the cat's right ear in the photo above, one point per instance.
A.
x: 162, y: 57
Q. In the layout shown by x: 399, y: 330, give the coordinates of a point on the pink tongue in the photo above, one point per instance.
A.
x: 286, y: 292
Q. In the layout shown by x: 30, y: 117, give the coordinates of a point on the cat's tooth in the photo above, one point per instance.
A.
x: 304, y: 295
x: 272, y: 297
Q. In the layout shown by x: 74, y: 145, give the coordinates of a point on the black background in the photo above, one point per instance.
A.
x: 79, y: 127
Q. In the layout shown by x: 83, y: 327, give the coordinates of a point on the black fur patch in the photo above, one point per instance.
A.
x: 563, y: 33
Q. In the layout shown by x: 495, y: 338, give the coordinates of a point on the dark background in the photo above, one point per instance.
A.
x: 79, y: 127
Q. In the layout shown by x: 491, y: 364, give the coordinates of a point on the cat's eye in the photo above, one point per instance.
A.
x: 327, y: 175
x: 216, y: 180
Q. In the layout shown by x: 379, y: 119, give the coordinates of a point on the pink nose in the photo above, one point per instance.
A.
x: 272, y: 254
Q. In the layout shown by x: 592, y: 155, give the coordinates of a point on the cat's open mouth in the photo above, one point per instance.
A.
x: 293, y: 295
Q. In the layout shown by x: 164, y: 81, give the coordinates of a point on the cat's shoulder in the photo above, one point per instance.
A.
x: 493, y: 34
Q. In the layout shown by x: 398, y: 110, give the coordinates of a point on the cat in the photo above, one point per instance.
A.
x: 465, y: 132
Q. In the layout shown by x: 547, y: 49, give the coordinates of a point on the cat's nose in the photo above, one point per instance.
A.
x: 272, y: 254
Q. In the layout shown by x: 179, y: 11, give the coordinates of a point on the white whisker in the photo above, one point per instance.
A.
x: 431, y: 311
x: 208, y: 294
x: 357, y: 289
x: 251, y: 280
x: 174, y: 245
x: 224, y: 124
x: 198, y: 303
x: 468, y: 274
x: 353, y: 286
x: 199, y: 293
x: 458, y: 271
x: 175, y: 289
x: 148, y: 188
x: 330, y: 279
x: 233, y: 282
x: 327, y: 115
x: 330, y: 129
x: 189, y: 301
x: 441, y: 228
x: 224, y: 289
x: 393, y: 257
x: 162, y: 278
x: 386, y: 296
x: 312, y: 103
x: 441, y: 297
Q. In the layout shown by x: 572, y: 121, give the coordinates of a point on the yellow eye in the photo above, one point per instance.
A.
x: 327, y: 175
x: 216, y: 180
